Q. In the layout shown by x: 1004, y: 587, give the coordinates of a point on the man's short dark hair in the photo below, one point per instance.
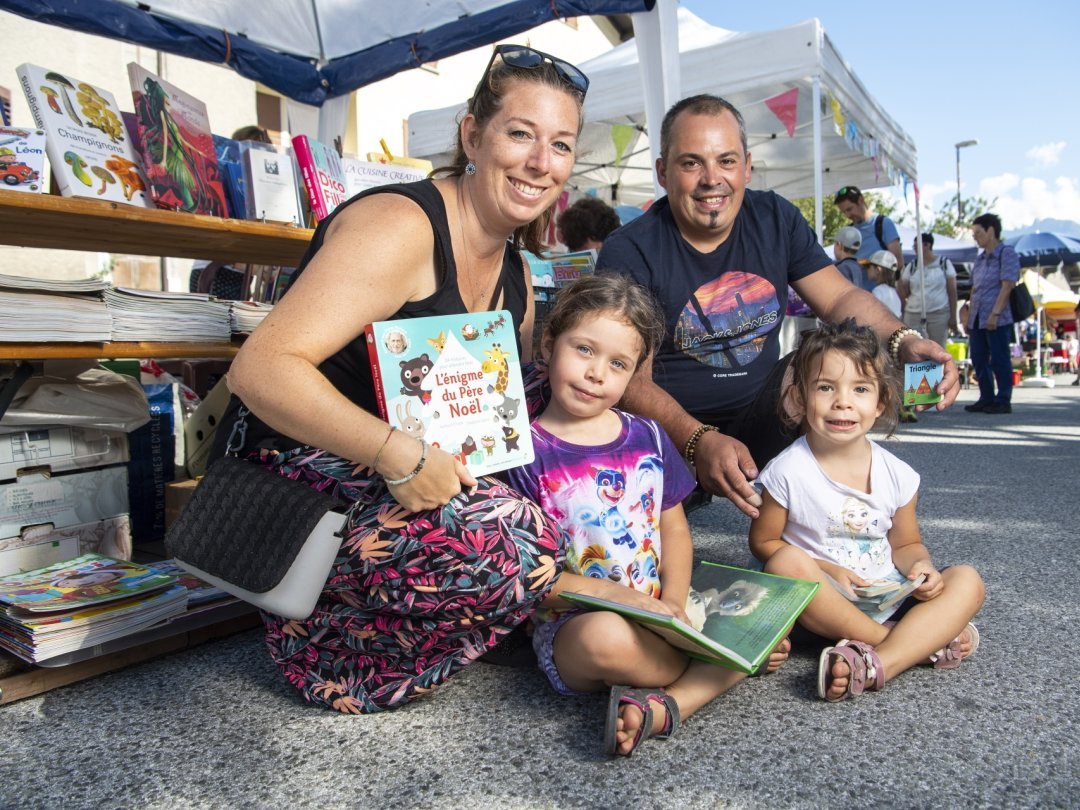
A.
x: 927, y: 238
x: 988, y: 221
x: 701, y: 104
x: 587, y: 219
x: 849, y: 193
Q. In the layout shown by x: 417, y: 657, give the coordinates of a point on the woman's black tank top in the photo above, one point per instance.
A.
x: 349, y: 369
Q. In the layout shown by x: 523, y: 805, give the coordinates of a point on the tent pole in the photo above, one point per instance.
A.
x: 819, y: 214
x: 656, y: 34
x: 1038, y: 381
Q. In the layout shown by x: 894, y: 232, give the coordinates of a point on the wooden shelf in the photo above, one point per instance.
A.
x: 112, y: 351
x: 75, y: 223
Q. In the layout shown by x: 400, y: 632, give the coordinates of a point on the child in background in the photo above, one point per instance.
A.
x: 840, y: 388
x: 881, y: 270
x: 615, y: 483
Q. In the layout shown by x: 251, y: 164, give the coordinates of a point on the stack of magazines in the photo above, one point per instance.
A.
x: 139, y: 315
x: 82, y: 602
x: 244, y: 316
x: 39, y: 310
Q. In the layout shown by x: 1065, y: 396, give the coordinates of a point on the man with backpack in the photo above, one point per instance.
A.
x: 929, y: 296
x: 878, y: 231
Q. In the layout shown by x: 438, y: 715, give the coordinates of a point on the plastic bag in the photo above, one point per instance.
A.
x: 73, y: 393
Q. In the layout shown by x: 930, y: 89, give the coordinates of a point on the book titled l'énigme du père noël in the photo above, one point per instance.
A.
x: 455, y: 381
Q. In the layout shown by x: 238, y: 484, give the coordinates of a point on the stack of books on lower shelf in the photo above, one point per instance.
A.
x: 244, y: 316
x: 83, y: 602
x: 145, y: 315
x: 41, y: 310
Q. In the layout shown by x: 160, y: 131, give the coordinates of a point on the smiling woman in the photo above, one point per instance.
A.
x: 403, y: 609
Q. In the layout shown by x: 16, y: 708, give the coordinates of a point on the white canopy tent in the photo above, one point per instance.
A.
x: 795, y: 71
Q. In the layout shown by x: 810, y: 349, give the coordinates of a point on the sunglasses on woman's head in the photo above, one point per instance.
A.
x: 519, y: 56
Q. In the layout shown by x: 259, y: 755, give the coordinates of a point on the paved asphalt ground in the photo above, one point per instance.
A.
x: 216, y: 727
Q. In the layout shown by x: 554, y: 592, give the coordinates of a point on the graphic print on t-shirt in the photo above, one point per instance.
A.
x: 725, y: 322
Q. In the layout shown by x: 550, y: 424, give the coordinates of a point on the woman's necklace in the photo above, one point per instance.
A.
x: 478, y: 289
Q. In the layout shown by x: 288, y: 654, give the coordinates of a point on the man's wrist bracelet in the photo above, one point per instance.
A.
x: 691, y: 444
x: 897, y: 338
x: 416, y: 470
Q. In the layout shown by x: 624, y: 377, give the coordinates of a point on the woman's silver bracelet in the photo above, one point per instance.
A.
x: 416, y: 470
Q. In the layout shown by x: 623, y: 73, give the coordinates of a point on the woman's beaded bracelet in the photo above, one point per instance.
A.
x: 386, y: 441
x: 692, y: 443
x: 416, y: 470
x: 897, y: 338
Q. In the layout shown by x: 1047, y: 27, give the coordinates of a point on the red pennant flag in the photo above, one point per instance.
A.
x: 784, y: 107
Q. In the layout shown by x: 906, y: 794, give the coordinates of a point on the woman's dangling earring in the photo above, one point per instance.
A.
x: 470, y: 168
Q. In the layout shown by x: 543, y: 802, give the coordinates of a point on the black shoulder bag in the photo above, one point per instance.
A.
x: 263, y: 538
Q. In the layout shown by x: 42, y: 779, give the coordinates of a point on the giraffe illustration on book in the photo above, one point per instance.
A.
x: 497, y: 362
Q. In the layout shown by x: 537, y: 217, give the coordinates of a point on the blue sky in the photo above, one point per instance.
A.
x: 1006, y: 74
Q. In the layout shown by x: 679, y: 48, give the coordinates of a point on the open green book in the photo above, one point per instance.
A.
x: 742, y: 614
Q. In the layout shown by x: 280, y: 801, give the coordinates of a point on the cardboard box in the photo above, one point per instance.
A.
x: 177, y: 494
x: 42, y: 546
x: 63, y: 500
x: 59, y: 449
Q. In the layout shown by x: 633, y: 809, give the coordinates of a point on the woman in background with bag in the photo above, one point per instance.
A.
x: 990, y: 319
x: 436, y: 568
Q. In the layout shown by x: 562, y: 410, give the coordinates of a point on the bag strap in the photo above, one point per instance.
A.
x: 10, y: 388
x: 879, y: 230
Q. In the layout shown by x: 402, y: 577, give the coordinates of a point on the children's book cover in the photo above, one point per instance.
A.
x: 455, y: 381
x: 22, y: 158
x: 87, y: 580
x: 738, y: 616
x: 177, y: 149
x: 920, y: 381
x: 322, y: 173
x: 88, y: 146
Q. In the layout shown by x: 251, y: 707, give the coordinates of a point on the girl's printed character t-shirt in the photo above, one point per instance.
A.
x: 834, y: 522
x: 608, y: 498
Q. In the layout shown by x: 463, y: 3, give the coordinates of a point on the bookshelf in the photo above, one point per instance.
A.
x: 48, y: 221
x: 75, y: 223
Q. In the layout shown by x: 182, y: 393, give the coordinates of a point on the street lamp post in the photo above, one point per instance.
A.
x: 959, y: 200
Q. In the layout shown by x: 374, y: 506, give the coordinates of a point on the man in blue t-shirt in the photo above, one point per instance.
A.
x: 720, y: 257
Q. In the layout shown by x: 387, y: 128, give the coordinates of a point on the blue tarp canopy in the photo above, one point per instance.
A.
x: 312, y: 50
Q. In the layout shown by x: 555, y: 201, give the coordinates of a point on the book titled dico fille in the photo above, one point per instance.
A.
x: 454, y: 381
x: 738, y: 616
x: 322, y: 174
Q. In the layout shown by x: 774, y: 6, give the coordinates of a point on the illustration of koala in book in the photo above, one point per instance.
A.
x: 740, y: 598
x: 413, y: 372
x: 409, y: 423
x: 507, y: 412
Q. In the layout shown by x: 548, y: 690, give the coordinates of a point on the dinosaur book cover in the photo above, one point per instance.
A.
x: 175, y: 146
x: 88, y: 147
x: 737, y: 616
x: 455, y: 382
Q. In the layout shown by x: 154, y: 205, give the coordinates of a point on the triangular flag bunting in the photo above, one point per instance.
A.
x: 620, y: 137
x: 784, y: 107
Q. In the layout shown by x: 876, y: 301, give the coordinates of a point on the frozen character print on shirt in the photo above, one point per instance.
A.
x: 857, y: 535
